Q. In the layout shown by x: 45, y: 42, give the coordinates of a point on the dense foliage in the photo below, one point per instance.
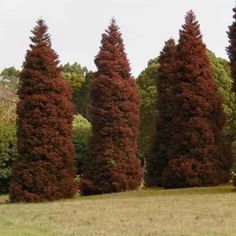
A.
x: 7, y: 154
x: 113, y: 165
x: 148, y: 92
x: 84, y: 99
x: 198, y: 154
x: 148, y: 110
x: 9, y: 78
x: 222, y: 78
x: 74, y: 74
x: 231, y: 49
x: 80, y: 80
x: 45, y: 168
x: 8, y: 99
x: 157, y: 159
x: 187, y: 114
x: 9, y: 82
x: 81, y: 136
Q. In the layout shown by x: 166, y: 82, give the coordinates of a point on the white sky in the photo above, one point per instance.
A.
x: 76, y: 27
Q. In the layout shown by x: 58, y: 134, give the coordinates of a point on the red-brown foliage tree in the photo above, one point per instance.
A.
x: 198, y: 154
x: 158, y: 157
x: 45, y: 168
x: 113, y: 165
x: 231, y: 49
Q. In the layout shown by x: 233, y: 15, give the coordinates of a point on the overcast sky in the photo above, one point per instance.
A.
x: 76, y: 27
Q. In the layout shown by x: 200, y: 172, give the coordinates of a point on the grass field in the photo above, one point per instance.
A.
x: 151, y: 212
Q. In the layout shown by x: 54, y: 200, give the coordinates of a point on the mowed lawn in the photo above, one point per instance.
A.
x: 196, y: 211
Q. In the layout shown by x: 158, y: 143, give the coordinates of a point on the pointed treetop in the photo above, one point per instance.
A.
x: 234, y: 15
x: 190, y: 17
x: 112, y: 57
x: 191, y: 27
x: 41, y: 54
x: 40, y: 33
x: 113, y: 21
x: 113, y: 28
x: 169, y: 44
x: 169, y: 49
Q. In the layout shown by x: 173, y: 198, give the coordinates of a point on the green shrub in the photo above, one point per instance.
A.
x: 81, y: 135
x: 7, y: 154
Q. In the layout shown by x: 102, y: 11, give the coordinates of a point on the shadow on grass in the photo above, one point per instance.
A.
x: 152, y: 192
x: 144, y: 192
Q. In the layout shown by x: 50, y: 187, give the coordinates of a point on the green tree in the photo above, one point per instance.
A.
x: 8, y: 99
x: 9, y: 82
x: 221, y: 75
x: 75, y: 74
x: 9, y: 78
x: 81, y: 136
x: 84, y: 102
x: 7, y: 153
x: 80, y: 79
x: 148, y: 110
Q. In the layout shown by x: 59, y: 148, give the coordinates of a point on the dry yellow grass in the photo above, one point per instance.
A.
x: 185, y: 212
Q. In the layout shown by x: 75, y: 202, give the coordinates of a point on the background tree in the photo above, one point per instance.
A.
x: 7, y: 154
x: 8, y: 99
x: 9, y: 78
x: 44, y: 168
x: 148, y: 110
x: 80, y: 79
x: 222, y: 78
x: 84, y: 98
x: 9, y: 82
x: 81, y: 135
x: 231, y: 49
x: 199, y: 155
x: 158, y: 155
x: 74, y: 74
x: 113, y: 165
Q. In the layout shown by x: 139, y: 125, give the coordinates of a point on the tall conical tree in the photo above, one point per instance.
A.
x: 231, y: 49
x: 158, y: 158
x: 113, y: 165
x: 198, y: 154
x: 45, y: 168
